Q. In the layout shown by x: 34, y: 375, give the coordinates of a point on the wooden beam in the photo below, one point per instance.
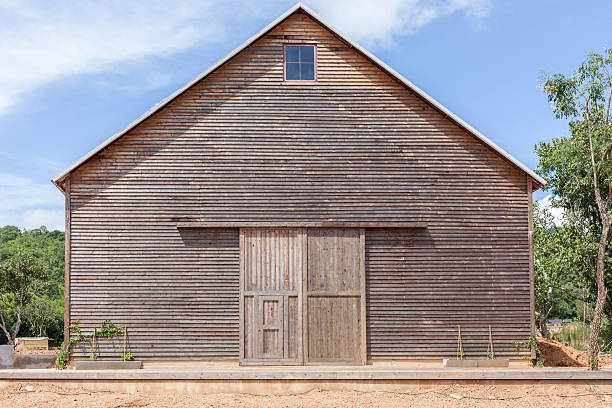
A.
x: 362, y: 303
x: 67, y: 265
x: 301, y: 294
x: 304, y: 290
x: 241, y: 300
x: 531, y: 260
x: 298, y: 224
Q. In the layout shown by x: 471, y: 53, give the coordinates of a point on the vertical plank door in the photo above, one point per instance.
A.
x: 334, y: 296
x: 271, y: 263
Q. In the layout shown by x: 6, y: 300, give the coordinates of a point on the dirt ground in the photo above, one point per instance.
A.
x: 557, y: 354
x: 45, y: 395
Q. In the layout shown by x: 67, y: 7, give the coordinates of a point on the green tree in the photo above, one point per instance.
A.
x: 559, y: 265
x: 48, y: 248
x: 8, y: 233
x: 39, y: 313
x: 584, y: 181
x: 18, y: 276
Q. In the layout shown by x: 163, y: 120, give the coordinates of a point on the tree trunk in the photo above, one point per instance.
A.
x: 601, y: 300
x: 5, y: 329
x: 544, y: 328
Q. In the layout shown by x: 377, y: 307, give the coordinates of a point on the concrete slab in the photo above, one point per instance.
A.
x: 7, y: 356
x: 107, y: 365
x: 314, y: 373
x: 291, y: 380
x: 497, y: 363
x: 34, y: 361
x: 454, y: 363
x: 482, y: 363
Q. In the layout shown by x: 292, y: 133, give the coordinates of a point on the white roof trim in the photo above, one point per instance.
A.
x: 57, y: 179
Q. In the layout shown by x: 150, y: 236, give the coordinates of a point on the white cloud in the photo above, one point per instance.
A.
x: 43, y: 41
x: 378, y: 23
x: 28, y: 204
x: 556, y: 212
x: 52, y: 219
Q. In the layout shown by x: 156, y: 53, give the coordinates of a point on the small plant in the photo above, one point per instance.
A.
x: 490, y: 349
x: 127, y: 356
x: 62, y: 358
x: 460, y: 353
x: 531, y: 342
x: 107, y: 330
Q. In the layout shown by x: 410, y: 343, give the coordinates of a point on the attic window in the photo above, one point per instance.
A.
x: 300, y: 62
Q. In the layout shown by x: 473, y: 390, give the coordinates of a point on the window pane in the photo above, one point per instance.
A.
x: 307, y: 53
x: 292, y: 72
x: 307, y: 71
x: 292, y: 53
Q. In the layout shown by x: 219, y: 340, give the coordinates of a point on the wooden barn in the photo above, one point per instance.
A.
x: 300, y: 202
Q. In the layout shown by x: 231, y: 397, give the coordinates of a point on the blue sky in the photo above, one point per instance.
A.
x: 74, y: 73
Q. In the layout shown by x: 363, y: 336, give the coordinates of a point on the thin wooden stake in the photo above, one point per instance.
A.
x: 459, y: 343
x: 492, y: 351
x: 124, y: 340
x: 93, y: 345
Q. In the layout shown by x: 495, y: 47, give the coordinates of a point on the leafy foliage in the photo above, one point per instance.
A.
x: 34, y: 258
x: 563, y: 266
x: 579, y: 167
x: 108, y: 330
x: 39, y: 314
x: 19, y: 275
x: 531, y: 343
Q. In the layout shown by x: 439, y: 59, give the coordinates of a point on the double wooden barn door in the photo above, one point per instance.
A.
x: 302, y: 297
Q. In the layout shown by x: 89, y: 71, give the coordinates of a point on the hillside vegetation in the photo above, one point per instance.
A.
x: 44, y: 313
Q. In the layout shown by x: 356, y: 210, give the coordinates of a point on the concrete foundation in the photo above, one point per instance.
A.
x: 284, y: 380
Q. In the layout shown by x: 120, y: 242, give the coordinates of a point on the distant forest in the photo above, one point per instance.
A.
x: 44, y: 312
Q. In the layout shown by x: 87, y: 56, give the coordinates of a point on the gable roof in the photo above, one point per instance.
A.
x: 299, y: 7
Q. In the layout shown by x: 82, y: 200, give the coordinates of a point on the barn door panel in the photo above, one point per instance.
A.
x: 271, y: 263
x: 334, y: 296
x: 271, y: 327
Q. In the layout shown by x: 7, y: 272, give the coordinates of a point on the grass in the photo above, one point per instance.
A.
x: 575, y: 335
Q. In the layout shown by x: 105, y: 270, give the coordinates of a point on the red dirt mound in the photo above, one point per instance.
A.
x: 556, y: 354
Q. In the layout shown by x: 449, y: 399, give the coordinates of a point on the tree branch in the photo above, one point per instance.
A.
x: 3, y: 326
x: 609, y: 96
x: 598, y: 198
x: 568, y: 293
x: 19, y: 309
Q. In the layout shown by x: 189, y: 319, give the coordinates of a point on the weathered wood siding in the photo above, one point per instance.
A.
x: 243, y: 146
x: 177, y: 291
x: 422, y: 283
